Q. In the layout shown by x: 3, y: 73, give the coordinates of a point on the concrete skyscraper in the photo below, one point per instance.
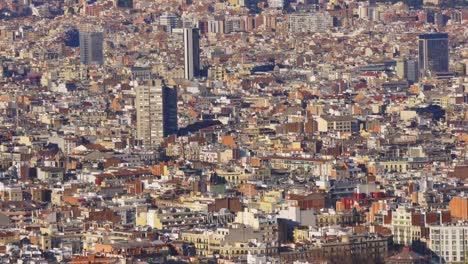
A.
x: 91, y: 47
x: 156, y: 106
x: 407, y: 69
x: 433, y: 53
x: 191, y: 53
x: 412, y: 70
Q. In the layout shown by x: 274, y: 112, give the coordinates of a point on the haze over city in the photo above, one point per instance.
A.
x: 233, y: 131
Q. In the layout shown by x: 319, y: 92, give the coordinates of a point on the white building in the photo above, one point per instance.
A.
x: 449, y: 242
x: 403, y: 230
x: 215, y: 26
x: 304, y: 217
x: 276, y: 3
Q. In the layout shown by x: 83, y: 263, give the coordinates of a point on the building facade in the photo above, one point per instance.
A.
x: 459, y: 208
x: 170, y: 21
x: 449, y: 242
x: 91, y: 47
x: 156, y: 106
x: 191, y: 53
x: 433, y: 53
x: 404, y: 229
x: 310, y: 22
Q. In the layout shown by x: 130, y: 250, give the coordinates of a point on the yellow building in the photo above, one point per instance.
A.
x: 206, y: 242
x: 8, y: 237
x: 269, y: 202
x: 57, y: 197
x: 14, y: 194
x: 396, y: 165
x: 335, y: 218
x: 237, y: 2
x: 442, y: 101
x: 235, y: 177
x: 301, y: 234
x: 239, y: 249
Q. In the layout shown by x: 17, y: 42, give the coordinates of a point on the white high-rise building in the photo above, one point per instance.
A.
x: 191, y: 53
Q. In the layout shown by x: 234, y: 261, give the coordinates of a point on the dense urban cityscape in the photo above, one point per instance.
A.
x: 233, y: 131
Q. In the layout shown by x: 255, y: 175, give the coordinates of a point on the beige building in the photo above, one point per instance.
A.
x: 11, y: 193
x: 236, y: 176
x: 7, y: 237
x: 403, y: 230
x: 206, y: 242
x: 149, y: 108
x: 337, y: 123
x: 333, y: 218
x: 156, y: 107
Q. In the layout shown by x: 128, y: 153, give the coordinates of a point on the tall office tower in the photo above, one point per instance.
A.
x: 412, y: 70
x: 156, y: 106
x: 407, y: 69
x: 91, y: 47
x: 191, y: 53
x: 433, y: 53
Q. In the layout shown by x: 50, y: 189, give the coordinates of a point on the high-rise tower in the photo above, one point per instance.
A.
x: 408, y: 69
x: 91, y: 47
x: 156, y: 106
x: 191, y: 53
x: 433, y: 53
x: 412, y: 70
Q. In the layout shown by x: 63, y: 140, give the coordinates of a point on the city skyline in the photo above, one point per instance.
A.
x: 233, y: 131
